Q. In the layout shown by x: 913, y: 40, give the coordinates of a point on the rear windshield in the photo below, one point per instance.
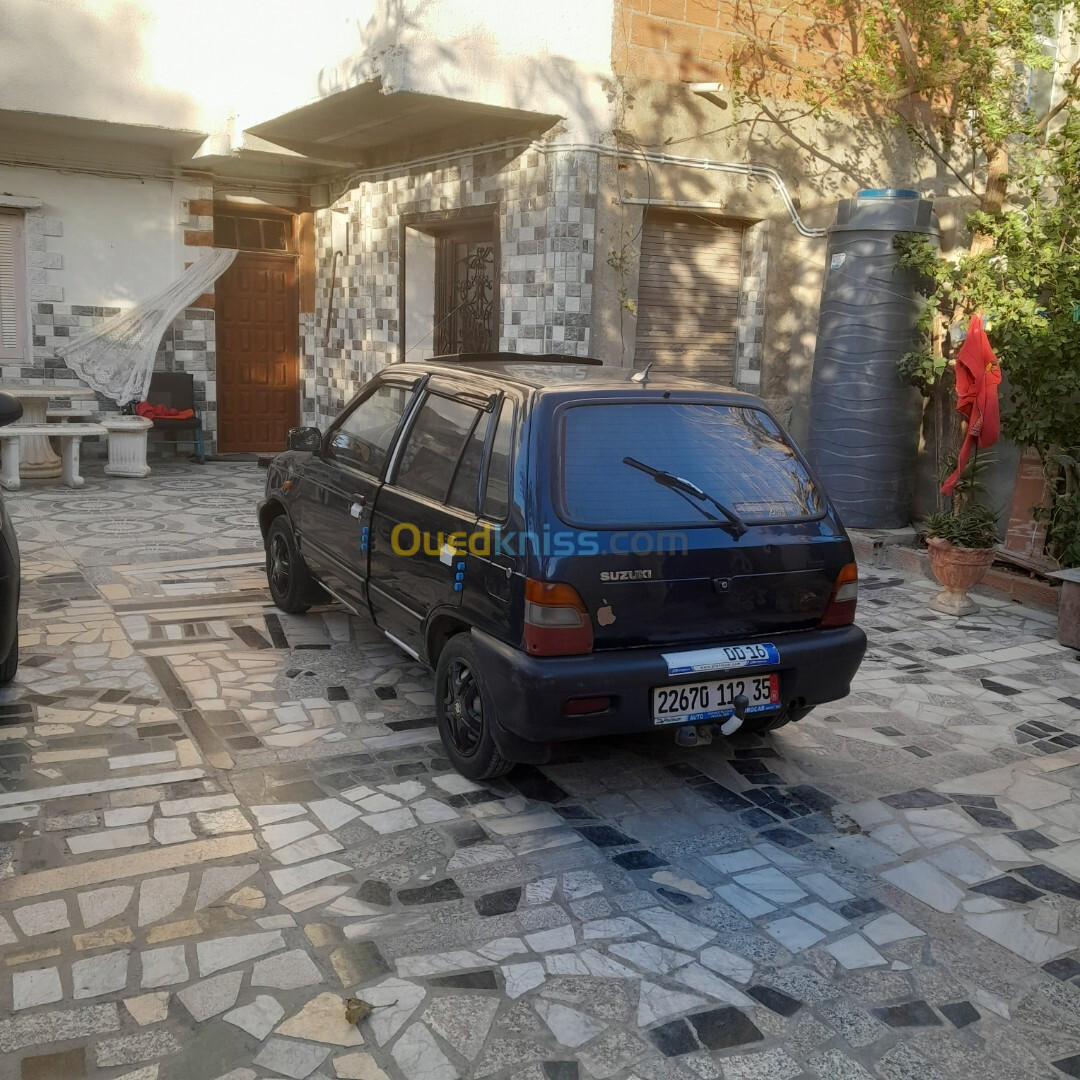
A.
x: 736, y: 455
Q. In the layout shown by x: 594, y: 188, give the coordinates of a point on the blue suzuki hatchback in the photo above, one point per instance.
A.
x: 575, y: 550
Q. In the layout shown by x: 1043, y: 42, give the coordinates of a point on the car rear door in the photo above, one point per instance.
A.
x: 655, y: 565
x: 426, y: 511
x: 340, y: 481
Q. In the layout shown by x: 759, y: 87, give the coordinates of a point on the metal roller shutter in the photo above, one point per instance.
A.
x: 688, y: 296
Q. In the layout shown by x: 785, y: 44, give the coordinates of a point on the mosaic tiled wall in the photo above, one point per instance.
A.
x: 308, y: 411
x: 750, y: 332
x: 546, y: 206
x: 187, y: 345
x: 190, y: 345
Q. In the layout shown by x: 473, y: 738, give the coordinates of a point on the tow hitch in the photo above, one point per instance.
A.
x: 702, y: 734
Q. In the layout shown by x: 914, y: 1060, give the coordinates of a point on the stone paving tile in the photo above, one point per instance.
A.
x: 832, y: 901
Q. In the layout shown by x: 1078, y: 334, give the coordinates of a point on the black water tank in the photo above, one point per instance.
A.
x: 864, y: 422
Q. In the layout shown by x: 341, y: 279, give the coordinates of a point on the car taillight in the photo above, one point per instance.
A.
x: 557, y: 622
x: 840, y: 610
x: 586, y: 706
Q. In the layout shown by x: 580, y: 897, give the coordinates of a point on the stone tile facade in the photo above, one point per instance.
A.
x: 546, y: 207
x: 308, y: 377
x: 750, y: 333
x: 190, y: 345
x: 187, y: 345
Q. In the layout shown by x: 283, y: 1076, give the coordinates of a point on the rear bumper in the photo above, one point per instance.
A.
x: 530, y: 692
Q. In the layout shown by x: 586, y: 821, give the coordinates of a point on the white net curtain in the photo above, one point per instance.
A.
x: 116, y: 357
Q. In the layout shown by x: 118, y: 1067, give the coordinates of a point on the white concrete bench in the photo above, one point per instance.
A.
x: 70, y: 436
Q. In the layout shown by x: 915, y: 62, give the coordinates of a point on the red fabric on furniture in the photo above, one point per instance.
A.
x: 162, y: 412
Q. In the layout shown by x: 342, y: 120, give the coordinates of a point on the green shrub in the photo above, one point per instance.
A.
x: 970, y: 526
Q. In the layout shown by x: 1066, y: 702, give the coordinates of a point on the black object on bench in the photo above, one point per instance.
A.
x: 176, y: 390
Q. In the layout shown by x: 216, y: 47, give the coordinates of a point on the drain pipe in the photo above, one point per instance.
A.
x: 738, y: 168
x: 764, y: 172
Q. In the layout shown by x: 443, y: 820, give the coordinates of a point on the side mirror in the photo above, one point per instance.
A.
x: 10, y: 408
x: 303, y: 438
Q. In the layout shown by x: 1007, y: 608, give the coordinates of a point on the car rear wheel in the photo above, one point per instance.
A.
x: 10, y: 664
x: 759, y: 725
x: 463, y: 710
x: 286, y: 572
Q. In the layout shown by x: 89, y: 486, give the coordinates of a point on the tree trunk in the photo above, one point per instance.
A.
x: 993, y: 197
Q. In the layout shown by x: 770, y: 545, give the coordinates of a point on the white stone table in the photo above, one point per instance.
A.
x: 127, y: 445
x: 38, y: 459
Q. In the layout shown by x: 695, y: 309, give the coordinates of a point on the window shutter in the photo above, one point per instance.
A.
x: 688, y: 296
x: 12, y: 289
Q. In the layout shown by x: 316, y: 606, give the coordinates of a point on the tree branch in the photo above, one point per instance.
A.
x: 1044, y: 123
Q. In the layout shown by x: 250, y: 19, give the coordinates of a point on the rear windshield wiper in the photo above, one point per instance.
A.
x: 682, y: 485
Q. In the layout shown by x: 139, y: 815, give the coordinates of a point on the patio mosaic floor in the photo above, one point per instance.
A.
x: 220, y: 821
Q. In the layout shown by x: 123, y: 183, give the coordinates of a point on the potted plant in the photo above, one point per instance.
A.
x: 961, y: 543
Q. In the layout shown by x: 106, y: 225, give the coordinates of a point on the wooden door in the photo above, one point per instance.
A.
x: 258, y: 361
x: 688, y: 296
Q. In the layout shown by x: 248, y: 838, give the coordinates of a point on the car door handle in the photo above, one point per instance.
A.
x: 357, y: 507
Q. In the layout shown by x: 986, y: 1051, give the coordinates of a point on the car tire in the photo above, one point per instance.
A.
x: 287, y: 574
x: 463, y: 711
x: 10, y: 664
x: 758, y: 726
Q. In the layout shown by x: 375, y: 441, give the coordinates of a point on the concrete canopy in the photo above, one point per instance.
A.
x: 365, y: 126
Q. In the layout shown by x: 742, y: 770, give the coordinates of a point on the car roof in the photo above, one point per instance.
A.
x: 555, y: 372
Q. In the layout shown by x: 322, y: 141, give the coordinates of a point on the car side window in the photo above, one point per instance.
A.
x: 363, y: 438
x: 434, y: 444
x: 466, y: 481
x: 496, y: 504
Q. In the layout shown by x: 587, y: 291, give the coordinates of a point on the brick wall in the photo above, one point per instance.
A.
x: 781, y: 47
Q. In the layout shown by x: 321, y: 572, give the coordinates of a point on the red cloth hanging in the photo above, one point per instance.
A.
x: 162, y: 412
x: 978, y: 375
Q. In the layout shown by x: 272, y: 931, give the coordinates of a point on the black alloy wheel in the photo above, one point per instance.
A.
x: 464, y: 712
x: 464, y: 708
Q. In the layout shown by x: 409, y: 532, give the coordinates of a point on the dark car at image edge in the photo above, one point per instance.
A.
x: 658, y: 553
x: 10, y: 570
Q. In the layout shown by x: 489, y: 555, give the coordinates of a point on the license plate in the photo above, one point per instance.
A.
x: 700, y: 702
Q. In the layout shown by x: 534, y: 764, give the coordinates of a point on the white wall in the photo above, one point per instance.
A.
x: 220, y: 67
x: 190, y: 65
x: 419, y: 295
x: 549, y: 57
x: 120, y: 242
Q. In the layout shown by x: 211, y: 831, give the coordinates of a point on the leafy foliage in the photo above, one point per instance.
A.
x: 1029, y: 282
x: 952, y: 72
x: 971, y: 483
x: 921, y: 368
x: 958, y: 59
x: 969, y: 525
x: 954, y: 75
x: 1062, y: 521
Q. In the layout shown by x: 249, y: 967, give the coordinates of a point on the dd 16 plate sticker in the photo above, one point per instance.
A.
x: 722, y: 658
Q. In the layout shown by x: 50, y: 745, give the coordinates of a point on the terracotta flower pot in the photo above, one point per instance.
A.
x: 957, y: 569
